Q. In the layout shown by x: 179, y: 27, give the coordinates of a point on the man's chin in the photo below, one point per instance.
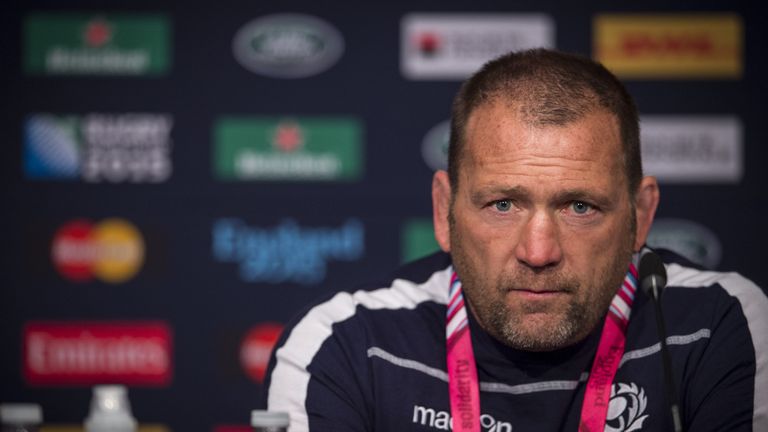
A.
x: 539, y: 332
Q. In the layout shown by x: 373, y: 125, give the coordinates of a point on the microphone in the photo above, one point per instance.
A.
x: 653, y: 278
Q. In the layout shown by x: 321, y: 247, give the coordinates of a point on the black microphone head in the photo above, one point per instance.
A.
x: 651, y: 270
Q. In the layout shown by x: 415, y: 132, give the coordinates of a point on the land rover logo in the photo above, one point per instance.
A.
x: 688, y: 238
x: 288, y: 46
x: 434, y: 146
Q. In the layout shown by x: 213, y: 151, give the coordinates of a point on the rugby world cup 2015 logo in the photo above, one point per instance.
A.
x: 98, y: 147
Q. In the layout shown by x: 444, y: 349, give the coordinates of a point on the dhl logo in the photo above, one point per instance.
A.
x: 641, y: 44
x: 670, y: 46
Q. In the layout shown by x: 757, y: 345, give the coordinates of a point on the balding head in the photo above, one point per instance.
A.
x: 547, y: 88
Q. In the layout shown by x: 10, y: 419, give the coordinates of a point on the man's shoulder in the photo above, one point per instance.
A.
x: 382, y: 314
x: 424, y: 281
x: 682, y: 273
x: 713, y: 297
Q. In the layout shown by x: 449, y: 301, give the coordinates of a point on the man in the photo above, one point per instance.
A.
x: 533, y: 321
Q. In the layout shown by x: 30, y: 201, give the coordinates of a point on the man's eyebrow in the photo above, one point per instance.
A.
x: 486, y: 193
x: 594, y: 197
x: 521, y: 193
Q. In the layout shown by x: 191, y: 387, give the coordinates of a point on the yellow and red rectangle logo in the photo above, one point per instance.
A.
x: 670, y: 45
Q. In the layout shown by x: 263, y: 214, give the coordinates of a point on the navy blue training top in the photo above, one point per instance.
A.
x: 375, y: 360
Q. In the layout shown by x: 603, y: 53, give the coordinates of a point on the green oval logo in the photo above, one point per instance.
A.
x: 687, y: 238
x: 434, y: 146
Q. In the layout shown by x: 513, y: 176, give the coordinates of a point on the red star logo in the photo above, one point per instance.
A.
x: 288, y: 137
x: 97, y: 33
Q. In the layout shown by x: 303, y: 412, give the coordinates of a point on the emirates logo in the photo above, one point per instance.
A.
x: 79, y: 353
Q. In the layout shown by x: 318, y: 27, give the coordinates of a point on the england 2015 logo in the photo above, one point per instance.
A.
x: 626, y: 409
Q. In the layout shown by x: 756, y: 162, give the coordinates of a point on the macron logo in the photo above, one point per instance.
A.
x: 442, y: 420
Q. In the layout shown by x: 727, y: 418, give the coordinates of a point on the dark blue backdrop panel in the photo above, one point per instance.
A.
x: 208, y: 303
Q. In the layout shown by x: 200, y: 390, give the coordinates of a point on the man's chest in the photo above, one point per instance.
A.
x: 412, y: 395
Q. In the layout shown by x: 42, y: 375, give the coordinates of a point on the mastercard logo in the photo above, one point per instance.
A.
x: 111, y: 250
x: 256, y: 348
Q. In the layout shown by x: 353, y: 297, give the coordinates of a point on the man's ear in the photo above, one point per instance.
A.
x: 441, y: 206
x: 646, y: 201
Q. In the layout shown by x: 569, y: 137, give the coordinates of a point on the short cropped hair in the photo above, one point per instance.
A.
x: 550, y: 88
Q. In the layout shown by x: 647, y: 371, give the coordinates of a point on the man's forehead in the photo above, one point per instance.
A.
x: 498, y: 128
x: 500, y: 144
x: 502, y: 109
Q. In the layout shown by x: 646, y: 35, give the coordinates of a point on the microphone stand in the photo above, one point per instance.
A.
x: 665, y: 358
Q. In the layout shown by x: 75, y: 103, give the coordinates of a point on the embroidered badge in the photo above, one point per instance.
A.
x: 626, y: 409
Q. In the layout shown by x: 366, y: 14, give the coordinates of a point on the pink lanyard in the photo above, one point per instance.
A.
x: 463, y: 385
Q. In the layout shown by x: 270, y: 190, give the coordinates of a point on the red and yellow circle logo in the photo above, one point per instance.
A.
x: 111, y: 250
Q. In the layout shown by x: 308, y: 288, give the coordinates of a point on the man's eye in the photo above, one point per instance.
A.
x: 503, y: 205
x: 580, y: 207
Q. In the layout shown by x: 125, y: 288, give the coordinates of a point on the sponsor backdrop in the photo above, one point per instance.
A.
x: 179, y: 180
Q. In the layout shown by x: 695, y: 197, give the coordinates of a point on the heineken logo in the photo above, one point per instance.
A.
x: 264, y: 148
x: 83, y: 44
x: 417, y: 239
x: 288, y: 46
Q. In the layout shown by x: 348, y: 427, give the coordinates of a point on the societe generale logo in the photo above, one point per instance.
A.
x: 111, y: 250
x: 256, y: 348
x: 451, y: 46
x: 86, y: 353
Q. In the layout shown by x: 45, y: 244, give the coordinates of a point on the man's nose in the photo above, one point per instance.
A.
x: 539, y: 245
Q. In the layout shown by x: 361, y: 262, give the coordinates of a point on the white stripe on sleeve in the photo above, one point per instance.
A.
x: 290, y: 379
x: 754, y: 304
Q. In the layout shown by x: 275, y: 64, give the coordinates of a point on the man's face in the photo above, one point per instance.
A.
x: 541, y: 225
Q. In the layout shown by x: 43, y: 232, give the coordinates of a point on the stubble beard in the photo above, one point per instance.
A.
x: 523, y: 329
